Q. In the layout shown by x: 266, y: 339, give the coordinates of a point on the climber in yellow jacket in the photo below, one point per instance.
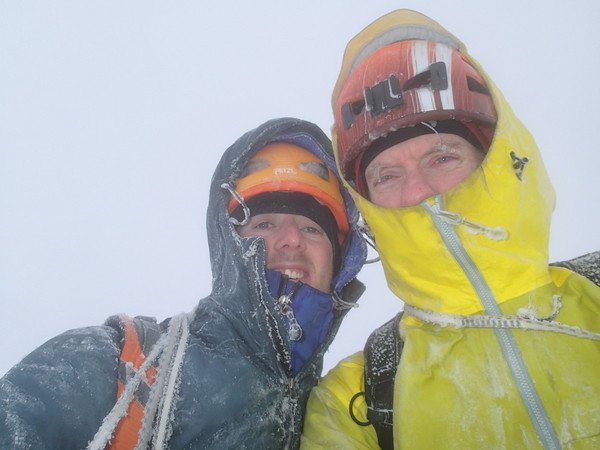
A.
x: 500, y: 349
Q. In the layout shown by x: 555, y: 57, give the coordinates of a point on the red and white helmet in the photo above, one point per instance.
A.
x: 406, y: 83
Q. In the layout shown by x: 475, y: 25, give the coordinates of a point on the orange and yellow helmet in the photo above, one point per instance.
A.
x: 281, y: 167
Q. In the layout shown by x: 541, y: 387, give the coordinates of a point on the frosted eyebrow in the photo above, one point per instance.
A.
x: 443, y: 147
x: 373, y: 173
x: 450, y: 146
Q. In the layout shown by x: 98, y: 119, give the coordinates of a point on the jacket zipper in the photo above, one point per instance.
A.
x: 293, y: 395
x: 509, y: 346
x: 284, y: 302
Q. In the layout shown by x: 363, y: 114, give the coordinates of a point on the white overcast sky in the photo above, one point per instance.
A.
x: 113, y: 116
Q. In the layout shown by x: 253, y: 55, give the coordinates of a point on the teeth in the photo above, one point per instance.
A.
x: 292, y: 274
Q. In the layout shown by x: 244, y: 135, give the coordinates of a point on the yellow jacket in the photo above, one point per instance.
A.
x: 479, y: 249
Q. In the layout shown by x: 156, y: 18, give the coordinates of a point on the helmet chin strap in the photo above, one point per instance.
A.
x: 431, y: 127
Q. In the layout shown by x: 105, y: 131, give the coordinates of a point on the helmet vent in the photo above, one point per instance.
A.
x: 350, y: 111
x: 254, y: 166
x: 476, y: 86
x: 315, y: 168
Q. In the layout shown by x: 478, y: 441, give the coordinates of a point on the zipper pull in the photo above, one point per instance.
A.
x: 285, y: 304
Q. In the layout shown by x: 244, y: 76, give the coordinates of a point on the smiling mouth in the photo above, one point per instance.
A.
x: 293, y: 274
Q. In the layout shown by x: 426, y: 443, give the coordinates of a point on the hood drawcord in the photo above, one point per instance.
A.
x: 493, y: 233
x: 520, y: 321
x: 368, y: 238
x: 340, y: 304
x: 529, y: 312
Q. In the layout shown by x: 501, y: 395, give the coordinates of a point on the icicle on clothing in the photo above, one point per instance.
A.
x: 520, y: 321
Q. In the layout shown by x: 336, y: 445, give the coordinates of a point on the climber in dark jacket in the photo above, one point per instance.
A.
x: 237, y: 370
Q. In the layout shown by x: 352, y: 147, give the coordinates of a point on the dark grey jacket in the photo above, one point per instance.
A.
x: 235, y: 389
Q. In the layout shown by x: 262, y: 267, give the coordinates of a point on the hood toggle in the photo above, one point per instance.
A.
x: 492, y: 233
x: 518, y: 164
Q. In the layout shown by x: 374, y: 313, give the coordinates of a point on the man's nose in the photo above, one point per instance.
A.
x: 415, y: 189
x: 290, y: 237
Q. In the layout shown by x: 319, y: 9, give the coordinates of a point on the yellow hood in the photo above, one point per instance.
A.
x: 516, y: 210
x: 486, y: 252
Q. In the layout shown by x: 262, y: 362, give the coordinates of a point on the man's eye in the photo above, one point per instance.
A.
x: 382, y: 178
x: 263, y: 225
x: 385, y: 177
x: 445, y: 158
x: 313, y: 230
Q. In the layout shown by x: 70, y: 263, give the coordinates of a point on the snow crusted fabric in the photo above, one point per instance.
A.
x: 234, y: 386
x: 479, y: 249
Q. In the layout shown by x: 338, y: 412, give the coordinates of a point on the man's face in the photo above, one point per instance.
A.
x: 411, y: 171
x: 296, y: 247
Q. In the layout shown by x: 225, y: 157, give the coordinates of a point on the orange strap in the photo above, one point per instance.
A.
x: 127, y: 431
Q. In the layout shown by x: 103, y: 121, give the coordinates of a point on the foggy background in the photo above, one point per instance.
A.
x: 113, y: 116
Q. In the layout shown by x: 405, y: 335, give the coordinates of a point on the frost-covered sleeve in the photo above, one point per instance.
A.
x: 587, y: 265
x: 327, y: 423
x: 57, y: 396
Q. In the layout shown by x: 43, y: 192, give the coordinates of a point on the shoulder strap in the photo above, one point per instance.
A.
x: 587, y: 265
x: 382, y: 356
x: 138, y: 336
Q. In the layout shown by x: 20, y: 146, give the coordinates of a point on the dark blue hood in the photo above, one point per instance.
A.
x: 236, y: 388
x: 241, y: 329
x: 224, y: 243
